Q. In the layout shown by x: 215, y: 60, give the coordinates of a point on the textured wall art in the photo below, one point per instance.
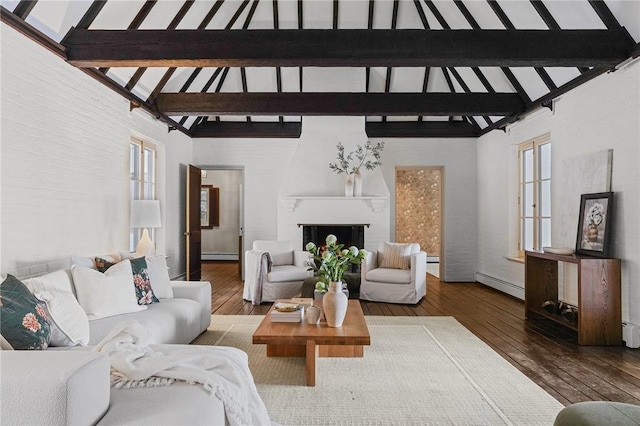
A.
x: 418, y: 209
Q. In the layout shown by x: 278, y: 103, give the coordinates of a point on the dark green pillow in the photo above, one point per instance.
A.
x: 24, y: 320
x: 142, y: 283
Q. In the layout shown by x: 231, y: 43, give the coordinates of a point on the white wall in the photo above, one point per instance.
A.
x: 601, y: 114
x: 65, y: 142
x: 223, y: 239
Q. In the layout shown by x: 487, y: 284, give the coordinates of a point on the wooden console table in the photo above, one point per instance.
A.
x: 599, y: 302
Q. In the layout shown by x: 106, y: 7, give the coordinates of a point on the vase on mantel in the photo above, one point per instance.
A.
x: 334, y: 304
x: 357, y: 184
x: 348, y: 186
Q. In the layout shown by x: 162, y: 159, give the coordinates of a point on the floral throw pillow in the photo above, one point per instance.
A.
x: 142, y: 283
x: 24, y: 320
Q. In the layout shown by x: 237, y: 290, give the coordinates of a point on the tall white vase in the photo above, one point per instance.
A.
x: 357, y: 184
x: 334, y: 304
x: 348, y: 186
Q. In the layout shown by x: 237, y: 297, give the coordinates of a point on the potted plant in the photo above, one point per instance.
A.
x: 367, y: 156
x: 332, y: 260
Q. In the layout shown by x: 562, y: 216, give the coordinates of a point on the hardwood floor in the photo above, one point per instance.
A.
x: 547, y: 354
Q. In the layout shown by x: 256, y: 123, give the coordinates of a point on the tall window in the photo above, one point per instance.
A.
x: 142, y: 179
x: 534, y: 198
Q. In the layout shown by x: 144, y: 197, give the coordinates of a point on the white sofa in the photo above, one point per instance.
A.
x: 71, y: 386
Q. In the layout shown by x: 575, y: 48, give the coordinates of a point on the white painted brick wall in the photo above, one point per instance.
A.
x: 601, y: 114
x: 65, y: 141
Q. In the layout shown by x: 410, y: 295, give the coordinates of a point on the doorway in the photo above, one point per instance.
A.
x: 223, y: 240
x: 419, y: 211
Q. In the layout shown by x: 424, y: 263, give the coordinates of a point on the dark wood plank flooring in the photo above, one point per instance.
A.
x: 546, y: 353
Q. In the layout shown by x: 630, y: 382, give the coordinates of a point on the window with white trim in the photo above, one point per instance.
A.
x: 142, y: 179
x: 534, y: 195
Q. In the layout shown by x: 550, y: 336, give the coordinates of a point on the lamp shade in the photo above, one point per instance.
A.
x: 145, y: 214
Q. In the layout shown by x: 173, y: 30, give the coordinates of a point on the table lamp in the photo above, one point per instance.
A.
x: 145, y: 214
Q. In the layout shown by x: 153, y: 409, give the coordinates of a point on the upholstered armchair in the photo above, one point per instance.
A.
x: 274, y: 270
x: 395, y: 273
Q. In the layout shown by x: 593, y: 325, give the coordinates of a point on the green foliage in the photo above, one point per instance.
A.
x: 332, y: 260
x: 368, y: 156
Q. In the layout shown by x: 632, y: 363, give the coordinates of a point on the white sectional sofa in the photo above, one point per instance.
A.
x: 71, y: 385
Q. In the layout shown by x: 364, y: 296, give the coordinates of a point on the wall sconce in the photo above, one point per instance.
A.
x: 145, y: 214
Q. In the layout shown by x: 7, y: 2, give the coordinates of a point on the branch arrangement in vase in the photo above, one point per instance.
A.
x: 367, y: 156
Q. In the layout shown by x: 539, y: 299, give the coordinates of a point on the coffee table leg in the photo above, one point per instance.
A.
x: 312, y: 356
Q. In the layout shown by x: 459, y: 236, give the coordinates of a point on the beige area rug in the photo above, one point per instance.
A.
x: 418, y: 370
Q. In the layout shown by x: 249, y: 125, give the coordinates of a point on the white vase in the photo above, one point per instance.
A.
x: 335, y: 304
x: 357, y: 184
x: 312, y: 314
x: 348, y: 186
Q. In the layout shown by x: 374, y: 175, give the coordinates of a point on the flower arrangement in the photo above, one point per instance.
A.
x: 362, y: 155
x: 332, y: 260
x: 595, y: 215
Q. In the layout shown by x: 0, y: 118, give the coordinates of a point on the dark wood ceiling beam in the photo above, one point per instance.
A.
x: 24, y: 8
x: 421, y: 129
x: 372, y: 104
x: 327, y: 48
x: 238, y: 129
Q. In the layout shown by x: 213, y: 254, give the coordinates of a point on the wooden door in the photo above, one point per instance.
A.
x: 193, y: 238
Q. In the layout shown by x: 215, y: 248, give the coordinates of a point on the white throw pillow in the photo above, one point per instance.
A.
x: 105, y: 295
x: 69, y: 322
x: 396, y: 256
x: 159, y: 277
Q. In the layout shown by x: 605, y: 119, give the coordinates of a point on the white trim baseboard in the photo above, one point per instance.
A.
x: 501, y: 285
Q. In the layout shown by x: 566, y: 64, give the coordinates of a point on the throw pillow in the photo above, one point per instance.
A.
x: 141, y: 282
x: 104, y: 295
x: 159, y: 276
x: 396, y: 256
x: 4, y: 345
x: 85, y: 262
x: 103, y: 264
x: 285, y: 258
x: 24, y: 320
x: 69, y: 323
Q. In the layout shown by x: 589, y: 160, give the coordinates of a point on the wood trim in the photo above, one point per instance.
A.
x: 421, y: 129
x: 253, y: 129
x: 354, y: 47
x: 371, y: 104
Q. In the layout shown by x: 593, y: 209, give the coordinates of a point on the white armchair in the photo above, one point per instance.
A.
x: 274, y: 270
x: 396, y: 273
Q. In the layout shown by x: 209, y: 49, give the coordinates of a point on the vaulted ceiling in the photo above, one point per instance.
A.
x: 234, y: 68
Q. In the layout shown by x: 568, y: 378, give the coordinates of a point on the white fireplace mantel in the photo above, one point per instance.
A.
x: 376, y: 204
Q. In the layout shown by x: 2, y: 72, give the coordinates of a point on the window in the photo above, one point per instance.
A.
x: 142, y: 179
x: 534, y: 196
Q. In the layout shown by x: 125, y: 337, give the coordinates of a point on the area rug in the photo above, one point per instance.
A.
x: 417, y: 371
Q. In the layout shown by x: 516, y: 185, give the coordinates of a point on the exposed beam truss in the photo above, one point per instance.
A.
x: 368, y: 104
x: 329, y: 48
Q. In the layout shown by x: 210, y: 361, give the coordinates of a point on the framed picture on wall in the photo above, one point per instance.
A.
x: 595, y: 224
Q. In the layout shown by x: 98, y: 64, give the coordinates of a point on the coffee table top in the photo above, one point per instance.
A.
x: 354, y: 330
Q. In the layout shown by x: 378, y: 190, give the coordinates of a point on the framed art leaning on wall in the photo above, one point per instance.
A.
x: 595, y: 224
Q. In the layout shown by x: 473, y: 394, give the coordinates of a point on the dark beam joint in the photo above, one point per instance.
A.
x: 352, y: 104
x: 328, y: 48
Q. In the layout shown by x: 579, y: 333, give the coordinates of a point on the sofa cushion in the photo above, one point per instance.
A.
x: 103, y: 295
x: 171, y: 321
x: 159, y: 276
x: 24, y: 320
x: 390, y: 276
x: 396, y: 256
x: 282, y: 258
x: 69, y: 322
x: 287, y: 273
x: 142, y: 283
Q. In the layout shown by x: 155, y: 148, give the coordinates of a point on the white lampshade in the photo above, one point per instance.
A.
x: 145, y: 214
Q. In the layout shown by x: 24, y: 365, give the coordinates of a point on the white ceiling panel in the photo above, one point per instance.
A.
x: 531, y: 82
x: 201, y: 80
x: 290, y: 79
x: 288, y: 14
x: 148, y: 82
x: 406, y: 79
x: 377, y: 79
x: 627, y: 12
x: 452, y: 15
x: 353, y: 14
x: 177, y: 79
x: 117, y: 15
x: 161, y: 15
x: 408, y: 17
x: 55, y: 18
x: 497, y: 79
x: 195, y: 15
x: 561, y: 76
x: 318, y: 15
x: 382, y: 13
x: 522, y: 15
x: 263, y: 17
x: 261, y: 79
x: 437, y: 82
x: 484, y: 16
x: 233, y: 82
x: 572, y: 15
x: 121, y: 75
x: 471, y: 79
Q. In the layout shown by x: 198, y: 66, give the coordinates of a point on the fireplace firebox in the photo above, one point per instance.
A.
x: 347, y: 234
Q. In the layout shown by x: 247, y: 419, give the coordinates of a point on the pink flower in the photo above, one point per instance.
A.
x: 41, y: 311
x: 145, y: 299
x: 30, y: 322
x: 139, y: 281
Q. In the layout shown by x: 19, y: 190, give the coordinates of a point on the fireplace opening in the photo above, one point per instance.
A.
x: 349, y: 235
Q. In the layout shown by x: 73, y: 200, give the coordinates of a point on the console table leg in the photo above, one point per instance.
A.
x: 311, y: 367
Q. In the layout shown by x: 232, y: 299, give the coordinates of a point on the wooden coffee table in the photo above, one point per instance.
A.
x: 310, y: 341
